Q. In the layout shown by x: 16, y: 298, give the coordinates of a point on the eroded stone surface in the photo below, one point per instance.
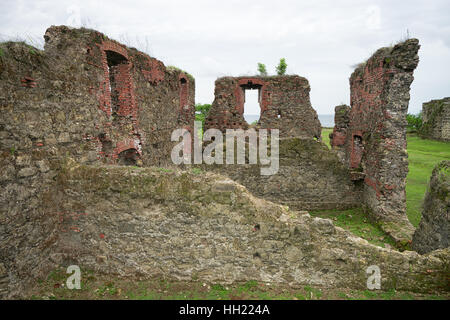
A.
x: 310, y: 177
x: 284, y: 103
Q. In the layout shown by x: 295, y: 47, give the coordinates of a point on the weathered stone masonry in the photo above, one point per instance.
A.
x: 310, y: 176
x: 140, y: 98
x: 436, y: 119
x: 85, y: 99
x: 183, y: 226
x: 86, y: 102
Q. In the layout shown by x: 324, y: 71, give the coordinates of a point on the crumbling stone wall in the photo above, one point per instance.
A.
x: 436, y: 119
x: 142, y: 99
x: 142, y: 223
x: 284, y: 102
x: 84, y: 98
x: 434, y: 227
x: 375, y: 140
x: 310, y: 177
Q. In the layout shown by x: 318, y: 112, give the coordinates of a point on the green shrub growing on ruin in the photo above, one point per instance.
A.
x: 282, y: 66
x: 262, y: 69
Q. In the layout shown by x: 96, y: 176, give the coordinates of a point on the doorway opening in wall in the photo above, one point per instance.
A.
x: 252, y: 108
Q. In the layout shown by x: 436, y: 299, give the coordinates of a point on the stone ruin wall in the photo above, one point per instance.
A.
x: 371, y: 135
x: 56, y: 107
x: 339, y: 135
x: 284, y: 103
x: 436, y: 119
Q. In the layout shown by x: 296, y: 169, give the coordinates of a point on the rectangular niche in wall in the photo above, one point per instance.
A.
x: 252, y: 101
x: 119, y: 84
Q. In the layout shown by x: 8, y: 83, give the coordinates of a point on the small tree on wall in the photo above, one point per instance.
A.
x: 201, y: 111
x: 281, y: 68
x: 262, y: 69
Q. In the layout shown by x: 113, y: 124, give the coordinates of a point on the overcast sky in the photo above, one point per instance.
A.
x: 321, y: 40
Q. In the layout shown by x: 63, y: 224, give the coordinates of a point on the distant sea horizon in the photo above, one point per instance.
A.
x: 326, y: 120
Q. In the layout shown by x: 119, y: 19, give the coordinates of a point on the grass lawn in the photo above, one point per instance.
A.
x: 423, y: 155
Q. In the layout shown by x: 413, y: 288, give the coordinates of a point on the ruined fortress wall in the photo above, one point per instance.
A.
x: 310, y: 177
x: 339, y: 135
x: 434, y: 228
x: 58, y: 104
x: 142, y: 99
x: 375, y: 141
x: 436, y: 119
x: 44, y: 116
x: 284, y: 103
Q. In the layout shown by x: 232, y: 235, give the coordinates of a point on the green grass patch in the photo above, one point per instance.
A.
x: 423, y: 155
x: 355, y: 221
